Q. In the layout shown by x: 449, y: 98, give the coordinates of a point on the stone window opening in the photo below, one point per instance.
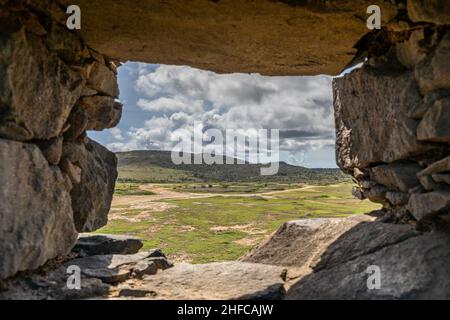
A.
x: 391, y: 122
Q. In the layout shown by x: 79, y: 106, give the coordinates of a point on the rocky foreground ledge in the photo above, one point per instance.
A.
x: 112, y: 267
x: 333, y: 259
x: 304, y: 259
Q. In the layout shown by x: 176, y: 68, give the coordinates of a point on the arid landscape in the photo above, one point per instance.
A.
x: 94, y: 96
x: 212, y: 225
x: 205, y: 213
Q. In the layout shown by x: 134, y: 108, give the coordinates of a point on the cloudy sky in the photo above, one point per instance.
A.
x: 161, y: 104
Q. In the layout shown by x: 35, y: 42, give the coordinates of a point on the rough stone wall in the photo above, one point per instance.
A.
x: 55, y: 181
x: 393, y: 117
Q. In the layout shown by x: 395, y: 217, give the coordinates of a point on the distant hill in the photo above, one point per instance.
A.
x: 157, y: 166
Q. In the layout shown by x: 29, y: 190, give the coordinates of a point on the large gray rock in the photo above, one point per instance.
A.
x: 435, y: 123
x: 52, y: 285
x: 300, y: 243
x: 433, y: 73
x: 52, y: 149
x: 103, y: 80
x: 66, y: 44
x: 36, y: 222
x: 364, y: 238
x: 397, y: 198
x: 435, y: 11
x: 396, y: 176
x: 91, y: 198
x: 442, y: 165
x: 435, y: 174
x: 37, y: 91
x: 97, y: 274
x: 115, y: 268
x: 412, y: 268
x: 101, y: 112
x: 376, y: 193
x: 410, y: 52
x: 214, y: 281
x: 77, y: 123
x: 372, y: 125
x: 441, y: 178
x: 421, y: 205
x: 428, y: 183
x: 94, y: 244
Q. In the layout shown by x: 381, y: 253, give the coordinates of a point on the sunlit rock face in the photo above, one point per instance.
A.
x: 267, y: 37
x: 392, y: 123
x: 53, y: 87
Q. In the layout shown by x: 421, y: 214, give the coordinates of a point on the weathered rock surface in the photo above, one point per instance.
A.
x: 392, y: 117
x: 376, y: 193
x: 435, y: 123
x: 435, y: 11
x: 372, y: 125
x: 91, y: 198
x: 397, y: 198
x: 314, y: 244
x: 433, y: 73
x: 409, y: 261
x: 410, y: 268
x: 36, y: 222
x: 42, y: 78
x: 441, y: 178
x: 428, y: 183
x: 103, y: 80
x: 98, y: 275
x: 77, y: 123
x: 66, y: 45
x: 36, y: 109
x: 362, y: 239
x: 213, y: 281
x: 101, y: 112
x: 231, y: 36
x: 115, y: 268
x: 95, y: 244
x: 52, y: 286
x: 52, y: 150
x: 434, y: 177
x: 300, y: 243
x: 421, y: 205
x: 442, y: 165
x: 410, y: 52
x: 396, y: 176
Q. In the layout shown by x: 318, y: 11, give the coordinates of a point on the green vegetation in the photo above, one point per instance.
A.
x: 130, y: 189
x: 216, y: 227
x: 156, y: 166
x: 205, y: 213
x: 233, y: 188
